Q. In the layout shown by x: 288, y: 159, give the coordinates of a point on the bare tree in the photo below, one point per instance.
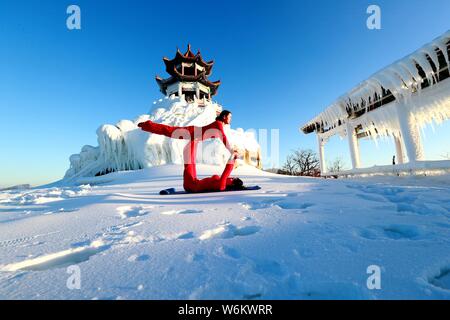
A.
x: 337, y: 165
x: 290, y: 166
x: 307, y: 162
x: 301, y: 163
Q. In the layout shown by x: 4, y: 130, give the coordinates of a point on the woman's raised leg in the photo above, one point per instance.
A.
x: 190, y: 170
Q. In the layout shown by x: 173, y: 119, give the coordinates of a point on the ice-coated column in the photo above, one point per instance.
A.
x: 353, y: 145
x: 197, y: 91
x: 410, y: 134
x: 321, y: 143
x: 399, y: 150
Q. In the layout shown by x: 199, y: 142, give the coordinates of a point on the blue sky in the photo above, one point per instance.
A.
x: 280, y: 62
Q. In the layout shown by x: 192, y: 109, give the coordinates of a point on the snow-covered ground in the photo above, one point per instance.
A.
x: 296, y: 238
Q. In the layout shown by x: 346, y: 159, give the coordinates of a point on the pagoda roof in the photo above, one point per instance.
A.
x: 177, y: 76
x: 189, y: 57
x: 201, y: 78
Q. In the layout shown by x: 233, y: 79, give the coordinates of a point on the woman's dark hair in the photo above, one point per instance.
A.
x: 222, y: 115
x: 236, y: 185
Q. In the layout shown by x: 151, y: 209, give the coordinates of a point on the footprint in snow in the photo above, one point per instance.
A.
x: 441, y: 279
x: 188, y: 211
x: 132, y: 211
x: 81, y: 251
x: 139, y: 258
x: 293, y: 204
x: 393, y: 232
x: 418, y: 209
x: 332, y: 290
x: 268, y: 267
x: 61, y: 210
x: 192, y: 257
x: 58, y: 259
x: 228, y: 231
x: 257, y: 205
x: 179, y: 236
x: 397, y: 232
x: 123, y: 227
x: 228, y: 252
x: 371, y: 197
x: 283, y: 203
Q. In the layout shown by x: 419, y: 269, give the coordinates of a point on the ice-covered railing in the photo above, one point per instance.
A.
x: 124, y: 146
x: 401, y: 81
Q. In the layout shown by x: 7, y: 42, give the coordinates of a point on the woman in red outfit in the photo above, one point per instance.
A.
x: 196, y: 134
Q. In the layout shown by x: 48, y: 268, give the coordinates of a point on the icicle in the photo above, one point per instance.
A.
x: 443, y: 48
x: 425, y: 64
x: 431, y: 52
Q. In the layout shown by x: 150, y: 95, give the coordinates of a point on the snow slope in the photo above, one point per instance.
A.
x: 297, y: 238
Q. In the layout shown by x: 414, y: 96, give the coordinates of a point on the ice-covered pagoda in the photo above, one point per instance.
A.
x: 395, y: 102
x: 188, y: 76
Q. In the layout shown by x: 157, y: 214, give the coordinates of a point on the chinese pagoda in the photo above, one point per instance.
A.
x: 188, y: 76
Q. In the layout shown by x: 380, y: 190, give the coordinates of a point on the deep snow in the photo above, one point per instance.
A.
x: 297, y: 238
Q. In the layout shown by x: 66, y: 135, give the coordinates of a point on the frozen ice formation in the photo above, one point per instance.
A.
x: 417, y: 84
x: 125, y: 146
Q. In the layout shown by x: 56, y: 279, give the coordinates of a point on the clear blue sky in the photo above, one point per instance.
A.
x: 280, y: 62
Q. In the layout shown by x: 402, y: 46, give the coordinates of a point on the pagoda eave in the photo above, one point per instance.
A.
x: 188, y: 57
x: 165, y: 83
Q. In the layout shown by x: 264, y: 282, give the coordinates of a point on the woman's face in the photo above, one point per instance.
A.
x: 227, y: 119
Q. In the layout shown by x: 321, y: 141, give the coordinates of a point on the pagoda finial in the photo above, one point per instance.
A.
x: 188, y: 49
x: 189, y: 53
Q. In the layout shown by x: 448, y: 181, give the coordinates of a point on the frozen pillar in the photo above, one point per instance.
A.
x: 197, y: 92
x: 354, y: 146
x: 399, y: 150
x: 321, y: 143
x: 410, y: 135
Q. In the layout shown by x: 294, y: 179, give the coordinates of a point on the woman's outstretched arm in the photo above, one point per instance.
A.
x: 213, y: 130
x: 166, y: 130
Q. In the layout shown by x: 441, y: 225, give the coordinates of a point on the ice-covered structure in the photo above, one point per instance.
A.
x: 188, y: 101
x: 394, y: 102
